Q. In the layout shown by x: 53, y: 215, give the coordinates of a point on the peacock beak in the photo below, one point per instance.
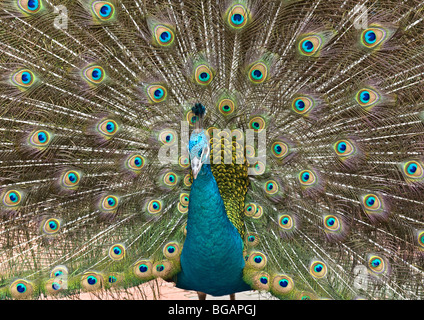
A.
x: 196, y: 166
x: 196, y: 162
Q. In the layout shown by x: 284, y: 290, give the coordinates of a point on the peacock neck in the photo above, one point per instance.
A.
x: 207, y: 210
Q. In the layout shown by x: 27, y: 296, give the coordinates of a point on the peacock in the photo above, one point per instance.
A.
x: 221, y: 145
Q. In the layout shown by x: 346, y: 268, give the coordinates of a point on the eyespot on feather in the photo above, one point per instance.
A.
x: 279, y: 149
x: 91, y: 281
x: 344, y: 148
x: 282, y: 284
x: 162, y: 269
x: 318, y: 269
x: 164, y: 36
x: 373, y: 37
x: 23, y: 78
x: 108, y: 128
x: 143, y: 269
x: 226, y: 107
x: 250, y: 209
x: 257, y: 260
x: 154, y: 207
x: 103, y: 10
x: 109, y: 203
x: 30, y: 6
x: 51, y: 226
x: 261, y: 281
x: 367, y: 97
x: 310, y: 45
x: 117, y: 252
x: 157, y: 93
x: 377, y: 265
x: 135, y: 162
x: 257, y: 124
x: 237, y: 17
x: 412, y: 170
x: 258, y: 73
x: 21, y: 289
x: 203, y: 75
x: 307, y: 178
x: 168, y: 137
x: 286, y: 222
x: 12, y: 198
x: 94, y: 74
x: 70, y: 179
x: 172, y: 250
x: 332, y: 223
x: 303, y: 105
x: 39, y: 138
x: 54, y: 286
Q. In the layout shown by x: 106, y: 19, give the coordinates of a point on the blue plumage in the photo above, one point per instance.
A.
x: 212, y: 258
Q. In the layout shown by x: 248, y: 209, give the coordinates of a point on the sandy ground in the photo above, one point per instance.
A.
x: 166, y: 291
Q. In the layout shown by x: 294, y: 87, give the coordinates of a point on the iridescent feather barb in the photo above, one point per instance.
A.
x: 102, y: 182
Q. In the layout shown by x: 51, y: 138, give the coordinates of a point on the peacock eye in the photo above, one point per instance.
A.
x: 302, y: 105
x: 157, y: 93
x: 103, y: 10
x: 282, y: 284
x: 279, y: 149
x: 109, y: 203
x: 344, y: 148
x: 51, y: 226
x: 154, y: 207
x: 91, y: 281
x: 372, y: 202
x: 307, y: 177
x: 286, y: 222
x: 310, y: 45
x: 259, y: 167
x: 318, y: 269
x: 226, y: 107
x: 164, y: 36
x: 203, y: 75
x: 271, y: 187
x: 143, y: 269
x: 184, y: 199
x: 40, y: 138
x: 135, y: 162
x: 30, y: 6
x: 117, y: 252
x: 258, y: 73
x: 70, y: 179
x: 377, y: 264
x: 257, y: 260
x: 332, y: 223
x: 372, y: 37
x: 167, y: 137
x: 257, y: 124
x: 367, y: 97
x: 250, y: 209
x: 413, y: 170
x: 170, y: 179
x: 21, y: 289
x: 12, y: 198
x: 23, y: 78
x: 171, y: 250
x: 94, y: 75
x: 237, y: 16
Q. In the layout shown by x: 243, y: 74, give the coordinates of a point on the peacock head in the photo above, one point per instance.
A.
x: 198, y: 145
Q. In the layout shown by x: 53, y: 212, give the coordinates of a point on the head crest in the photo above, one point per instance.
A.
x: 199, y: 109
